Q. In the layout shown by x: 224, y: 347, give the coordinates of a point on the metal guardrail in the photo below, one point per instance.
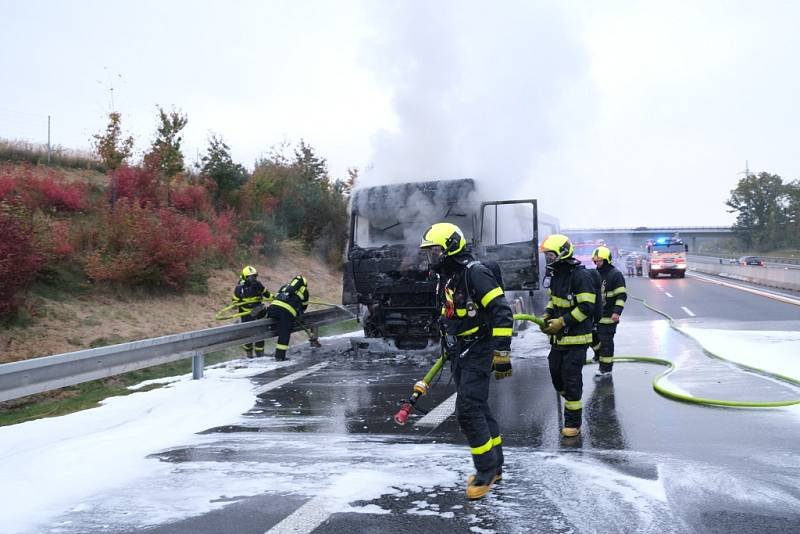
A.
x: 26, y: 377
x: 769, y: 261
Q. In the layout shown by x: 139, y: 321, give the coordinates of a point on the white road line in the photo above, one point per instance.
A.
x: 289, y: 378
x: 688, y: 311
x: 306, y: 518
x: 668, y: 294
x: 438, y: 415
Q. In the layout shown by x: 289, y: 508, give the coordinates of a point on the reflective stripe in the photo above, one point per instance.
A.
x: 461, y: 312
x: 486, y: 447
x: 606, y: 359
x: 468, y: 332
x: 285, y: 306
x: 497, y: 441
x: 586, y: 297
x: 573, y: 405
x: 301, y: 291
x: 620, y: 303
x: 561, y: 303
x: 578, y: 314
x: 491, y: 295
x: 606, y: 320
x: 575, y: 340
x: 619, y: 291
x: 259, y: 349
x: 502, y: 332
x: 282, y: 347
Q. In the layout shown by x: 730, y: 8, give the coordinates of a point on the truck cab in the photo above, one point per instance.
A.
x: 386, y: 274
x: 666, y: 255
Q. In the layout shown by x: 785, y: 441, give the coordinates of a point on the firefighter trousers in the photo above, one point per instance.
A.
x: 285, y: 322
x: 566, y: 372
x: 605, y: 333
x: 472, y: 374
x: 258, y: 346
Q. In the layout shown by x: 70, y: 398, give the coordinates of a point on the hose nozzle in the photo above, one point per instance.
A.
x: 402, y: 415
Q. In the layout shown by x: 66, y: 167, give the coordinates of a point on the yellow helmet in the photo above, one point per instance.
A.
x: 248, y: 270
x: 446, y: 235
x: 602, y: 253
x: 559, y: 244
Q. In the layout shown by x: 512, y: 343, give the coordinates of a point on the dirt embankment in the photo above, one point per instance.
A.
x: 102, y: 318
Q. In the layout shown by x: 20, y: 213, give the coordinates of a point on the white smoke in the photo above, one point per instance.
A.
x: 476, y: 89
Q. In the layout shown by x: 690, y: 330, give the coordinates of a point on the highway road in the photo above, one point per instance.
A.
x: 321, y: 454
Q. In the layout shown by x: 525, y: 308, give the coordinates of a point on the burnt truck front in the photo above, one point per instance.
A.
x: 386, y: 274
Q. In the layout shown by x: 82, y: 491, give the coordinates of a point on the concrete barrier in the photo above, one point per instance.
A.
x: 778, y: 277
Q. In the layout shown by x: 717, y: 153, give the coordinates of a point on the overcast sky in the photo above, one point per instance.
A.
x: 610, y: 113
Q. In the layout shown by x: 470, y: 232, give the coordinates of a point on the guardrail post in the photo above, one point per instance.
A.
x: 197, y: 366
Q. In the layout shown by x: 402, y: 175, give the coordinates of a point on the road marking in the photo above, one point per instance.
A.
x: 438, y: 415
x: 688, y: 311
x: 668, y: 294
x: 289, y: 378
x: 769, y: 294
x: 306, y: 518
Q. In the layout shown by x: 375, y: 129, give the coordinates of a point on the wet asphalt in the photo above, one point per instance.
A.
x: 643, y: 463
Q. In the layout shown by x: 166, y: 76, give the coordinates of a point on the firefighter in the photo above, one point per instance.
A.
x: 629, y: 264
x: 250, y: 294
x: 476, y: 326
x: 614, y: 296
x: 568, y: 321
x: 288, y: 305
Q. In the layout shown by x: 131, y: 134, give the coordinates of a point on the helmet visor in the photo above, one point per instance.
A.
x: 435, y: 255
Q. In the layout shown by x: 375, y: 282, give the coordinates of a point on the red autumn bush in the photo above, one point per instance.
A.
x: 225, y: 232
x: 137, y: 183
x: 149, y: 247
x: 191, y: 199
x: 19, y: 256
x: 44, y: 189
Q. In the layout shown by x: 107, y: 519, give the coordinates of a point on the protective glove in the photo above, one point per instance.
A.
x: 543, y: 326
x: 596, y: 345
x: 501, y: 364
x: 554, y: 326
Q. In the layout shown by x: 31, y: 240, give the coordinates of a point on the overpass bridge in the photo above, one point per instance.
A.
x: 636, y: 237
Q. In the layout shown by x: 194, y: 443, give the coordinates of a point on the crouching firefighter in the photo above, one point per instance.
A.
x: 287, y: 306
x: 614, y: 296
x: 569, y: 320
x: 476, y: 325
x: 251, y: 295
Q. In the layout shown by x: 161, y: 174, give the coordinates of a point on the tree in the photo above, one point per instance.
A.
x: 793, y: 212
x: 218, y: 166
x: 761, y: 206
x: 165, y: 152
x: 110, y: 147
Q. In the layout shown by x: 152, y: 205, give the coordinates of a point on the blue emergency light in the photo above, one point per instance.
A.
x: 661, y: 240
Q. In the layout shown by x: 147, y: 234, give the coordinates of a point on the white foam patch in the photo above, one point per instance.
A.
x: 51, y: 465
x: 772, y: 351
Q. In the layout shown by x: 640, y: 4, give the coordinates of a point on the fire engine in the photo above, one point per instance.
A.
x: 666, y: 255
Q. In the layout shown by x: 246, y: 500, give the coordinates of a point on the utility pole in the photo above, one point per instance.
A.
x: 48, y: 139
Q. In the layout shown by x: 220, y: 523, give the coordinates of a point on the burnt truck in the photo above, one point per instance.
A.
x: 386, y: 275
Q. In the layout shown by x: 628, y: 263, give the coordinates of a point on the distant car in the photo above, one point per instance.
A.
x: 751, y: 260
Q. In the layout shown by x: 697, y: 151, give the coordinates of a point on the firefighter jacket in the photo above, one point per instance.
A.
x: 249, y: 294
x: 573, y: 296
x: 613, y: 292
x: 293, y: 297
x: 473, y: 304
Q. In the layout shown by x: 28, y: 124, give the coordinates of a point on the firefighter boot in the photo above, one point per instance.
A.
x: 479, y: 484
x: 248, y: 352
